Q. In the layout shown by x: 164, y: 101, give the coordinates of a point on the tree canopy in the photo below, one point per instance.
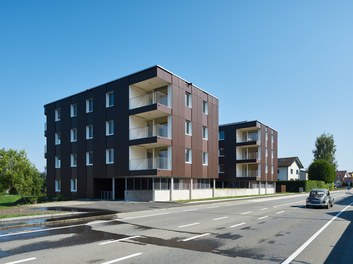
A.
x: 325, y: 149
x: 322, y: 170
x: 18, y: 174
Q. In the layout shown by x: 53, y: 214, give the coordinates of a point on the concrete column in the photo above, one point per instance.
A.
x: 190, y: 189
x: 265, y: 187
x: 153, y: 193
x: 171, y: 188
x: 214, y: 188
x: 113, y: 189
x: 259, y: 187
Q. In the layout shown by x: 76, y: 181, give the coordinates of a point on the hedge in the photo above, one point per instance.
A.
x: 293, y: 186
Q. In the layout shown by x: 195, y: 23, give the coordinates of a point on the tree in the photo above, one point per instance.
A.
x: 18, y: 174
x: 322, y: 170
x: 325, y: 149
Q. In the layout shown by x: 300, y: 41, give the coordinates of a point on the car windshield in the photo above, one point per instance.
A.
x: 317, y: 193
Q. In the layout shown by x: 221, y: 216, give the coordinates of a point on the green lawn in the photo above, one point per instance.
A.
x: 7, y: 200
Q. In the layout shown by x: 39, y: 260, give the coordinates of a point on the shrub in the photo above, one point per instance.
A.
x: 322, y: 170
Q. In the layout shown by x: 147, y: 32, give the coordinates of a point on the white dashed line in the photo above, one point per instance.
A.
x: 237, y: 225
x: 263, y: 208
x: 280, y: 212
x: 190, y: 210
x: 263, y: 217
x: 20, y: 261
x: 118, y: 240
x: 220, y: 218
x: 123, y: 258
x: 249, y: 212
x: 188, y: 225
x: 191, y: 238
x: 211, y: 207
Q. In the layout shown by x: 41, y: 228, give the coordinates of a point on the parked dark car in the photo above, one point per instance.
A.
x: 319, y: 198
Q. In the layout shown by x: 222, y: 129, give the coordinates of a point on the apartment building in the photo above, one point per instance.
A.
x: 148, y: 136
x: 247, y: 155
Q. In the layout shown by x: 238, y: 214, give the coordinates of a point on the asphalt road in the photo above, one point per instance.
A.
x: 265, y: 230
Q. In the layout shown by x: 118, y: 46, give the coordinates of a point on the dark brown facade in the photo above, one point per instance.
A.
x: 145, y: 131
x: 247, y: 154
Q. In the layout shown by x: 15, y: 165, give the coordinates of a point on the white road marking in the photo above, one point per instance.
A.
x: 263, y: 217
x: 188, y: 225
x: 118, y: 240
x: 123, y: 258
x: 280, y: 212
x: 141, y: 216
x: 211, y: 207
x: 263, y: 208
x: 191, y: 238
x: 237, y: 225
x: 20, y: 261
x: 249, y: 212
x: 220, y: 218
x: 275, y: 206
x: 190, y: 210
x: 311, y: 239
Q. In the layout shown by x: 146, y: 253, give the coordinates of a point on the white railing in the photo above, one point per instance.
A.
x: 148, y: 99
x: 252, y: 155
x: 250, y: 173
x: 149, y: 131
x: 150, y: 163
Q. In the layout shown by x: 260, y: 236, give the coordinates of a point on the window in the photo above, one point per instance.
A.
x: 109, y: 156
x: 188, y: 156
x: 73, y: 134
x: 109, y: 127
x: 188, y: 128
x: 57, y: 162
x: 73, y: 160
x: 57, y: 185
x: 221, y: 168
x: 57, y: 114
x: 291, y: 171
x: 188, y: 101
x: 73, y: 110
x: 89, y: 158
x: 266, y: 168
x: 89, y: 105
x: 57, y: 138
x: 109, y: 99
x: 73, y: 185
x: 297, y: 171
x: 221, y: 135
x: 205, y: 107
x: 221, y: 152
x: 204, y: 158
x: 204, y: 132
x: 89, y: 132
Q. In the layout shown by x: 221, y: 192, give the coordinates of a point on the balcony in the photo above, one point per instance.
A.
x: 249, y: 173
x: 248, y: 138
x: 149, y: 99
x: 159, y: 130
x: 157, y: 163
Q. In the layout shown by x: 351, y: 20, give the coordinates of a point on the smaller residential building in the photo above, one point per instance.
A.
x: 342, y: 178
x: 289, y: 169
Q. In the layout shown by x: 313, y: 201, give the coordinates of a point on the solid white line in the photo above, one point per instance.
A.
x: 263, y: 208
x: 188, y: 225
x: 237, y: 225
x: 189, y: 210
x: 220, y: 218
x: 191, y: 238
x: 249, y: 212
x: 308, y: 242
x: 211, y: 207
x: 262, y: 217
x: 142, y: 216
x: 123, y: 258
x: 118, y: 240
x: 280, y: 212
x: 20, y: 261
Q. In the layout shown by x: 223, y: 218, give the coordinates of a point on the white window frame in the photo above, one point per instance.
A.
x: 73, y: 184
x: 88, y: 163
x: 205, y: 107
x: 89, y: 132
x: 57, y: 162
x: 73, y: 134
x: 107, y: 99
x: 205, y: 158
x: 188, y: 156
x: 73, y: 160
x: 109, y: 125
x: 219, y: 152
x: 57, y: 114
x: 57, y: 185
x: 188, y: 99
x: 205, y: 132
x: 109, y: 156
x: 219, y: 168
x: 188, y: 128
x: 73, y: 110
x: 88, y: 104
x: 57, y: 138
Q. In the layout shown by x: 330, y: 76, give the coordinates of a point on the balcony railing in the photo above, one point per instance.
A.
x: 148, y: 99
x: 149, y: 131
x: 250, y: 173
x: 248, y: 137
x: 252, y: 155
x: 150, y: 164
